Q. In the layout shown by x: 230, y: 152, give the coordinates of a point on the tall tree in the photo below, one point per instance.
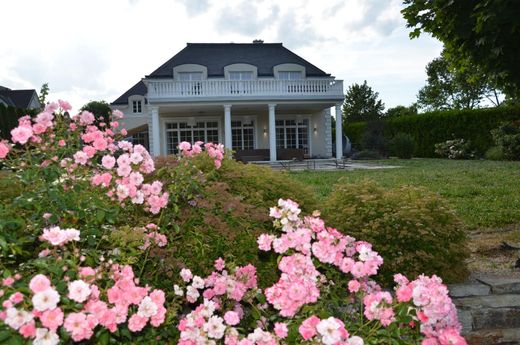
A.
x: 482, y: 33
x: 44, y: 92
x: 98, y: 108
x: 401, y: 110
x: 362, y: 104
x: 449, y: 88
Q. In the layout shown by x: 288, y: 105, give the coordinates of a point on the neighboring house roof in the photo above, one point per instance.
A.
x: 217, y: 55
x: 18, y: 98
x: 6, y: 100
x: 137, y: 89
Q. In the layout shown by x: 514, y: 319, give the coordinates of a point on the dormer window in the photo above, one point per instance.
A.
x: 241, y: 75
x: 290, y: 75
x: 190, y: 76
x: 137, y: 107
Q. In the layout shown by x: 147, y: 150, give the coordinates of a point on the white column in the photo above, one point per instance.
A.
x: 272, y: 133
x: 156, y: 132
x: 339, y: 132
x: 227, y: 127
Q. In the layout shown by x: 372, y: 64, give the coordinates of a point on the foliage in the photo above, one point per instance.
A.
x: 455, y: 149
x: 402, y: 145
x: 507, y: 139
x: 95, y: 251
x: 448, y: 88
x: 401, y: 110
x: 44, y: 92
x: 361, y: 104
x: 374, y: 137
x: 434, y: 127
x: 366, y: 155
x: 100, y: 109
x: 494, y: 153
x: 413, y: 229
x: 484, y: 33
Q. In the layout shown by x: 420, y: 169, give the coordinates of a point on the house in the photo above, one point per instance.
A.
x: 22, y: 99
x: 260, y: 99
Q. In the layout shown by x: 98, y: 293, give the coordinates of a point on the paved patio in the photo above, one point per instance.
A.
x: 323, y: 164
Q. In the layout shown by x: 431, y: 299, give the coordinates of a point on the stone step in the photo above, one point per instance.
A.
x: 491, y: 301
x: 494, y: 337
x: 495, y: 318
x: 500, y: 285
x: 468, y: 290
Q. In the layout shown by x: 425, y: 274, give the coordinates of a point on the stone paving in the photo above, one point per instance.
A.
x: 489, y: 310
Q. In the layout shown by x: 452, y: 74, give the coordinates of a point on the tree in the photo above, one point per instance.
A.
x: 44, y: 92
x: 401, y: 110
x: 482, y: 33
x: 362, y: 104
x: 448, y: 88
x: 98, y: 108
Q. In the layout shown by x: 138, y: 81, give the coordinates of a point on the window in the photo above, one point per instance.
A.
x: 140, y: 138
x: 190, y: 76
x: 292, y: 134
x: 290, y: 75
x: 242, y: 75
x: 242, y: 135
x: 176, y: 132
x: 137, y: 107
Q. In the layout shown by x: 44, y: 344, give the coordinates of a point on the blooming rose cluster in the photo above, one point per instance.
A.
x: 329, y: 331
x: 152, y: 236
x: 378, y: 306
x: 215, y: 151
x: 434, y: 309
x: 127, y: 303
x: 310, y: 238
x: 58, y: 237
x: 122, y: 167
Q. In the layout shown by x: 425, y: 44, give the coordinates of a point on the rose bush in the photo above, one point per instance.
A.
x: 85, y: 256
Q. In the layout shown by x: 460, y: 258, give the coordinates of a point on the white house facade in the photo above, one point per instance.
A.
x: 260, y: 99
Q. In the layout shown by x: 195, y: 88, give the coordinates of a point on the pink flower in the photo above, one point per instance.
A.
x: 231, y: 318
x: 308, y: 327
x: 280, y: 329
x: 78, y: 326
x: 353, y: 286
x: 39, y: 283
x: 21, y: 134
x: 264, y: 242
x: 451, y: 336
x: 52, y: 318
x: 4, y: 149
x: 28, y: 330
x: 80, y: 157
x: 61, y: 143
x: 16, y: 298
x: 136, y: 323
x: 404, y: 293
x: 86, y: 118
x: 64, y: 105
x: 220, y: 264
x: 8, y: 281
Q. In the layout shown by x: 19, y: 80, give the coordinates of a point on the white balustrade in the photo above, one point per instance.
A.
x: 170, y: 89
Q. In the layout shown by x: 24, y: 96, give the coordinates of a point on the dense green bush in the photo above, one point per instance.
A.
x: 410, y: 227
x: 222, y: 213
x: 434, y: 127
x: 402, y: 146
x: 9, y: 119
x: 507, y: 138
x: 494, y: 153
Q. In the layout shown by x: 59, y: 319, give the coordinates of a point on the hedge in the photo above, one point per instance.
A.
x: 434, y: 127
x: 9, y: 119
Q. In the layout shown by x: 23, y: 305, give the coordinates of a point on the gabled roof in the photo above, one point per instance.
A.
x: 137, y: 89
x: 18, y: 98
x: 217, y: 55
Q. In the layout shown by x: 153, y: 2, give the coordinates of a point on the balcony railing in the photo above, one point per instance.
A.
x: 244, y: 89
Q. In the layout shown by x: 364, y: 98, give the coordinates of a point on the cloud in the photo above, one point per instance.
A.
x: 296, y: 33
x: 381, y: 17
x: 195, y: 7
x: 246, y: 18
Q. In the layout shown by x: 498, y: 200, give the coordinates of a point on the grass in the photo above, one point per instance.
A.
x: 485, y: 194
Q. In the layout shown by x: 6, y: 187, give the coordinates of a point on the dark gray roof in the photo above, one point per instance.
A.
x: 217, y: 55
x: 19, y: 98
x: 137, y: 89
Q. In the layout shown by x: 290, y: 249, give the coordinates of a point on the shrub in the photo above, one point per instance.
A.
x: 410, y: 227
x: 434, y: 127
x: 494, y: 153
x: 402, y: 146
x: 507, y: 138
x: 366, y: 155
x: 374, y: 138
x: 455, y: 149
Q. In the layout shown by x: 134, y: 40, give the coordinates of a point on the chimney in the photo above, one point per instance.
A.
x: 258, y: 41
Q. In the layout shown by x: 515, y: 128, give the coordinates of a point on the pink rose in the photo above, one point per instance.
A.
x: 231, y: 318
x: 39, y: 283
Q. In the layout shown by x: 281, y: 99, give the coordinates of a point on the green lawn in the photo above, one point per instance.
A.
x: 485, y: 194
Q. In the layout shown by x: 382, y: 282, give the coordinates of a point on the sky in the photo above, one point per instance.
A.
x: 97, y: 49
